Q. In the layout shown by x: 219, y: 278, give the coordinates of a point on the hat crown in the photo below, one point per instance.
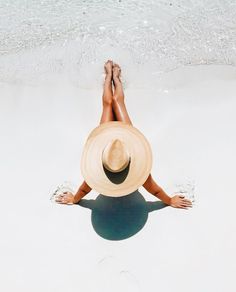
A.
x: 115, y: 156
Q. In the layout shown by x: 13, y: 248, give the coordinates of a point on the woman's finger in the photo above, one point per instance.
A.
x: 187, y: 203
x: 186, y: 200
x: 59, y: 196
x: 63, y: 196
x: 181, y: 207
x: 184, y: 205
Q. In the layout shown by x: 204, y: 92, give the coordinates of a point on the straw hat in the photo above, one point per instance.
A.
x: 116, y: 159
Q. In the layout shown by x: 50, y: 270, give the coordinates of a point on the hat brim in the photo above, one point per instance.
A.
x: 140, y: 154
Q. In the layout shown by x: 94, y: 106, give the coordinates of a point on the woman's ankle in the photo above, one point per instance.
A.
x: 116, y: 79
x: 108, y: 77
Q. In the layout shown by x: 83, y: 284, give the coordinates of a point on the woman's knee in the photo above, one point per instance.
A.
x: 107, y: 102
x: 119, y: 98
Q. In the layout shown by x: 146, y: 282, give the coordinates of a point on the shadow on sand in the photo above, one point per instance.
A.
x: 122, y: 217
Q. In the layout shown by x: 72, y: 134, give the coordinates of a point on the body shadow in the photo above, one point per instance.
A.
x: 118, y: 218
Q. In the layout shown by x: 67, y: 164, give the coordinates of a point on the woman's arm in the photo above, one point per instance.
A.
x: 177, y: 201
x: 153, y: 188
x: 83, y: 190
x: 69, y: 198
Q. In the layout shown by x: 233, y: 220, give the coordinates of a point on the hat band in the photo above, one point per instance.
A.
x: 118, y: 177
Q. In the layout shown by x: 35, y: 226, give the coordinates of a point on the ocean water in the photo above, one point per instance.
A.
x: 41, y: 41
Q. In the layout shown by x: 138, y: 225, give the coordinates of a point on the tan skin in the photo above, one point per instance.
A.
x: 114, y: 108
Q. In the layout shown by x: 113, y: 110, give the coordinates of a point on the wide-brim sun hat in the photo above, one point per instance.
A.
x: 116, y: 159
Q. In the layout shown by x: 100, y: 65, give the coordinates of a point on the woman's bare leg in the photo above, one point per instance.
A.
x: 107, y: 97
x: 118, y: 104
x: 107, y: 115
x: 122, y: 114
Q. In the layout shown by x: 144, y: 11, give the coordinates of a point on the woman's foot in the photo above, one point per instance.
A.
x: 107, y: 85
x: 108, y: 69
x: 116, y: 70
x: 118, y: 94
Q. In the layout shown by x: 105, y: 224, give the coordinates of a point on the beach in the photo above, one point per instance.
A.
x: 178, y: 71
x: 188, y: 117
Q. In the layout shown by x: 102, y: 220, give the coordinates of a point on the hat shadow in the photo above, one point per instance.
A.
x: 118, y: 218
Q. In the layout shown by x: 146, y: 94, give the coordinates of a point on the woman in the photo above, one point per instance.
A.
x: 114, y: 109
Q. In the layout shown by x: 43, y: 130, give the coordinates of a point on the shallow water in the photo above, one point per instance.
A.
x: 72, y: 39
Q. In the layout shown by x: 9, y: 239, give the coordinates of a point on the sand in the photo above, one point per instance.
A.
x: 189, y: 118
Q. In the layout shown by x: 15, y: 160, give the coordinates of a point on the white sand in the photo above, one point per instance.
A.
x: 189, y: 119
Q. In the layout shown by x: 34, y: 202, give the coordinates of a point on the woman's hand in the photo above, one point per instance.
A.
x: 65, y: 198
x: 179, y: 201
